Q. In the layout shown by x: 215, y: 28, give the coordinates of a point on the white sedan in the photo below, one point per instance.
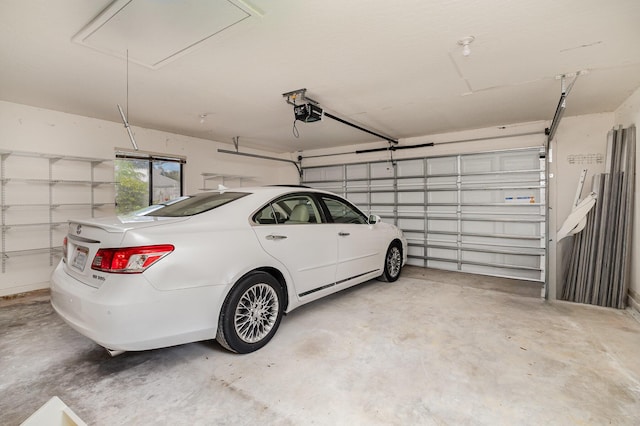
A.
x: 222, y: 265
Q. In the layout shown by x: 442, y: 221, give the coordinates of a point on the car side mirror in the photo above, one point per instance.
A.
x: 373, y: 219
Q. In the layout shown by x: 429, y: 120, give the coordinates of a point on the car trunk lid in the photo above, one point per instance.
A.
x: 86, y: 237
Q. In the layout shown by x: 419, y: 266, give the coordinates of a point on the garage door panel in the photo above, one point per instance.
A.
x: 442, y: 182
x: 406, y: 223
x: 498, y: 161
x: 504, y: 228
x: 481, y: 213
x: 406, y: 168
x: 330, y: 173
x: 410, y: 212
x: 381, y: 170
x: 385, y: 215
x: 417, y: 236
x: 440, y: 237
x: 526, y: 229
x: 501, y: 259
x: 357, y: 171
x: 440, y: 197
x: 439, y: 264
x: 510, y: 197
x: 511, y: 178
x: 415, y: 251
x: 525, y: 210
x: 334, y: 187
x: 382, y: 198
x: 522, y: 274
x: 516, y: 161
x: 441, y: 210
x: 442, y: 253
x: 505, y: 242
x: 357, y: 186
x: 359, y: 199
x: 481, y: 197
x: 442, y: 165
x: 411, y: 184
x: 443, y: 225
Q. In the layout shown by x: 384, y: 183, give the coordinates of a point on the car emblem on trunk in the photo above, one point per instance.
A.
x: 78, y: 229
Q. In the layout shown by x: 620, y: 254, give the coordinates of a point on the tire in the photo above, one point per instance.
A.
x: 251, y: 313
x: 392, y: 263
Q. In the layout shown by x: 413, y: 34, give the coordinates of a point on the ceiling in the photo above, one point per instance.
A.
x: 393, y: 67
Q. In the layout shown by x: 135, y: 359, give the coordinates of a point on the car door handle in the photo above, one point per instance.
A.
x: 276, y: 237
x: 344, y: 234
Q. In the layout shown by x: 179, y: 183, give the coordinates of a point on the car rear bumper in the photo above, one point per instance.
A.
x: 129, y: 314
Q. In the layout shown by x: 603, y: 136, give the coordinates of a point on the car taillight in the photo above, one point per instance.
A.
x: 65, y: 242
x: 129, y: 260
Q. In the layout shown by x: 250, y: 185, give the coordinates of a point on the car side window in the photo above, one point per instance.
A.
x: 342, y: 212
x: 291, y: 209
x: 268, y: 216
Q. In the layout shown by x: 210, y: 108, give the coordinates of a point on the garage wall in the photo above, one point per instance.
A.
x: 28, y: 129
x: 25, y: 128
x: 626, y: 115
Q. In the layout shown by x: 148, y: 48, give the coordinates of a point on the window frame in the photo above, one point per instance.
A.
x: 150, y: 158
x: 327, y: 212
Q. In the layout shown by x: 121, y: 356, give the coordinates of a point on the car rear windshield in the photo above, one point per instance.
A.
x: 195, y: 204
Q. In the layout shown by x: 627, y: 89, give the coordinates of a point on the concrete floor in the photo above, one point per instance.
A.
x: 430, y: 349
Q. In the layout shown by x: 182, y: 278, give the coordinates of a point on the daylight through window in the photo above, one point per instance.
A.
x: 142, y: 181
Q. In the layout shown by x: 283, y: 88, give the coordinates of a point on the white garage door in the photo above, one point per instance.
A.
x: 480, y: 213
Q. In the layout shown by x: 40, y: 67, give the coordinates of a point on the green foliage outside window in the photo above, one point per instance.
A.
x: 132, y: 192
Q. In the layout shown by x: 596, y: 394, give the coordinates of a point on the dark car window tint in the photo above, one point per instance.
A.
x: 343, y: 213
x: 196, y: 204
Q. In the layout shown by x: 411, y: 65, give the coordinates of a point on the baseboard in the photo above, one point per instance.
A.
x: 12, y: 291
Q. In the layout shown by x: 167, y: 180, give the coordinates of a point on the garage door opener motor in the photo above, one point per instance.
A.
x: 307, y: 112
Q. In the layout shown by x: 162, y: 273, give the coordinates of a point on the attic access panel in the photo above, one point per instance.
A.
x: 158, y: 32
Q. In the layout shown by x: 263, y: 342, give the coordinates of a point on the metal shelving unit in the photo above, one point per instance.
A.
x: 482, y: 212
x: 221, y: 177
x: 45, y: 205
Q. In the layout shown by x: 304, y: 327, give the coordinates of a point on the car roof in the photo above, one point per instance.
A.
x: 262, y: 194
x: 255, y: 198
x: 273, y: 190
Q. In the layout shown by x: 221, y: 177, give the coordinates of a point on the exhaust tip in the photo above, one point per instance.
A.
x: 114, y: 353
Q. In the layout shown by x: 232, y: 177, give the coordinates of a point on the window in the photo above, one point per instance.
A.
x: 343, y: 213
x: 143, y: 180
x: 196, y: 204
x: 292, y: 209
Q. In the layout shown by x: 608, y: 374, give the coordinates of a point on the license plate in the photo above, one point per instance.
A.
x: 80, y: 257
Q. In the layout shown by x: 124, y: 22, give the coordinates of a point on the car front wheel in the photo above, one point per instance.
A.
x: 392, y: 263
x: 251, y: 313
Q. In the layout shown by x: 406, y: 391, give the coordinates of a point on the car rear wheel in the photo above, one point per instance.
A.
x: 251, y: 313
x: 392, y: 263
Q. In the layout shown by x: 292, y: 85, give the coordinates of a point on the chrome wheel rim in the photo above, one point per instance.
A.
x: 394, y: 261
x: 256, y: 313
